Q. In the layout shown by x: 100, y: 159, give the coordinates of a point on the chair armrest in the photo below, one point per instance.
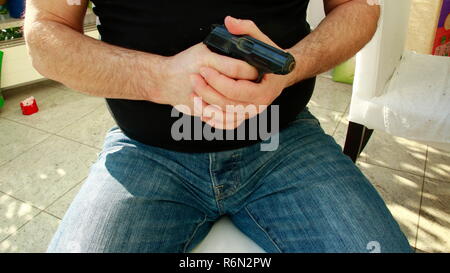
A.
x: 377, y: 61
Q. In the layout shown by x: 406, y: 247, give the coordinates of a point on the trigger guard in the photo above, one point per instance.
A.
x: 260, y: 77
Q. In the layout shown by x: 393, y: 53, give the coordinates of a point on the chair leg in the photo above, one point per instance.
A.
x: 357, y: 137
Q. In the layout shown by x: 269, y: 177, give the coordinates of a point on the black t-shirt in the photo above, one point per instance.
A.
x: 167, y: 27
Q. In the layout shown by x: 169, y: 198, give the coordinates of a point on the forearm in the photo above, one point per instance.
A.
x: 345, y: 30
x: 91, y: 66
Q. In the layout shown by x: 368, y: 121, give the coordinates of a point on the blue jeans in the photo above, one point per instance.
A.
x: 306, y: 196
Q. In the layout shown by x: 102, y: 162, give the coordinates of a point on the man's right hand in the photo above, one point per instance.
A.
x: 180, y: 73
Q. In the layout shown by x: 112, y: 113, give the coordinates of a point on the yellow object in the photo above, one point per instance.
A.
x: 422, y: 25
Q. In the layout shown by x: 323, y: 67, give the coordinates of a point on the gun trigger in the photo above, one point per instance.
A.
x: 260, y: 77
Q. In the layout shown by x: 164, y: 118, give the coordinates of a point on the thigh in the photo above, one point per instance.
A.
x: 317, y: 200
x: 130, y: 203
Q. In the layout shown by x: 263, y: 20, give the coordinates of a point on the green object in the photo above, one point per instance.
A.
x: 345, y: 72
x: 2, y: 100
x: 3, y: 9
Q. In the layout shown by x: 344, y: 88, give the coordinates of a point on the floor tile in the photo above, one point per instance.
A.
x: 331, y: 95
x: 16, y: 138
x: 58, y: 85
x: 57, y: 107
x: 341, y: 131
x: 46, y: 171
x: 60, y: 207
x: 13, y: 97
x: 34, y: 237
x: 395, y: 153
x: 438, y: 164
x: 91, y: 129
x: 434, y: 224
x: 401, y: 191
x: 329, y: 119
x: 13, y: 214
x: 387, y: 150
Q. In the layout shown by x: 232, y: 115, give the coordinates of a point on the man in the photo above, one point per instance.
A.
x: 152, y: 191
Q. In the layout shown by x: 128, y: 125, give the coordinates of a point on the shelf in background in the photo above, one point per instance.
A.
x: 17, y: 67
x: 7, y: 21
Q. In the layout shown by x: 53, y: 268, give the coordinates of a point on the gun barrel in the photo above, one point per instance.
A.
x: 265, y: 58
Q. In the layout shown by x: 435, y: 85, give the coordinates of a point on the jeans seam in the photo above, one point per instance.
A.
x: 214, y: 183
x: 193, y: 234
x: 263, y: 230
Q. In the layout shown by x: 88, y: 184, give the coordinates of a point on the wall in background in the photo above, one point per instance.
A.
x: 422, y: 25
x: 17, y: 67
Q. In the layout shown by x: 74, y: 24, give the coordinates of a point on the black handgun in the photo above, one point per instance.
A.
x: 265, y: 58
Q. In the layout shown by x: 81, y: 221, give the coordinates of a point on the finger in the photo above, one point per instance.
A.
x: 209, y: 95
x: 214, y: 117
x: 247, y: 27
x: 197, y: 104
x: 184, y: 109
x: 234, y: 118
x: 233, y: 124
x: 230, y: 120
x: 219, y: 123
x: 216, y: 114
x: 238, y: 90
x: 233, y: 68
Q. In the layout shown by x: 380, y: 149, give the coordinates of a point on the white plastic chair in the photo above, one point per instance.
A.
x: 224, y: 237
x: 397, y: 91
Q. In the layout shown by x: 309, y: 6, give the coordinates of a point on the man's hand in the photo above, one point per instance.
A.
x: 179, y: 77
x: 223, y: 90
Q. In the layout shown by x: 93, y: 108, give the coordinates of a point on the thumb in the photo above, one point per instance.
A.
x: 246, y: 27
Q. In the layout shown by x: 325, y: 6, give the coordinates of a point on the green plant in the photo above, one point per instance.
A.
x: 11, y: 33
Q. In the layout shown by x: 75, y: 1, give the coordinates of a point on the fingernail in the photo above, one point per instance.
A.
x: 233, y: 20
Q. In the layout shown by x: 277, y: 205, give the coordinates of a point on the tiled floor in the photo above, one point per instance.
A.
x: 45, y: 158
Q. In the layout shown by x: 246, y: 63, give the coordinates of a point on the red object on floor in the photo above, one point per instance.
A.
x: 29, y: 106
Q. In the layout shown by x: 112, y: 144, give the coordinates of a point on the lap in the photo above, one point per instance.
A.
x: 308, y: 197
x: 130, y: 203
x: 314, y: 199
